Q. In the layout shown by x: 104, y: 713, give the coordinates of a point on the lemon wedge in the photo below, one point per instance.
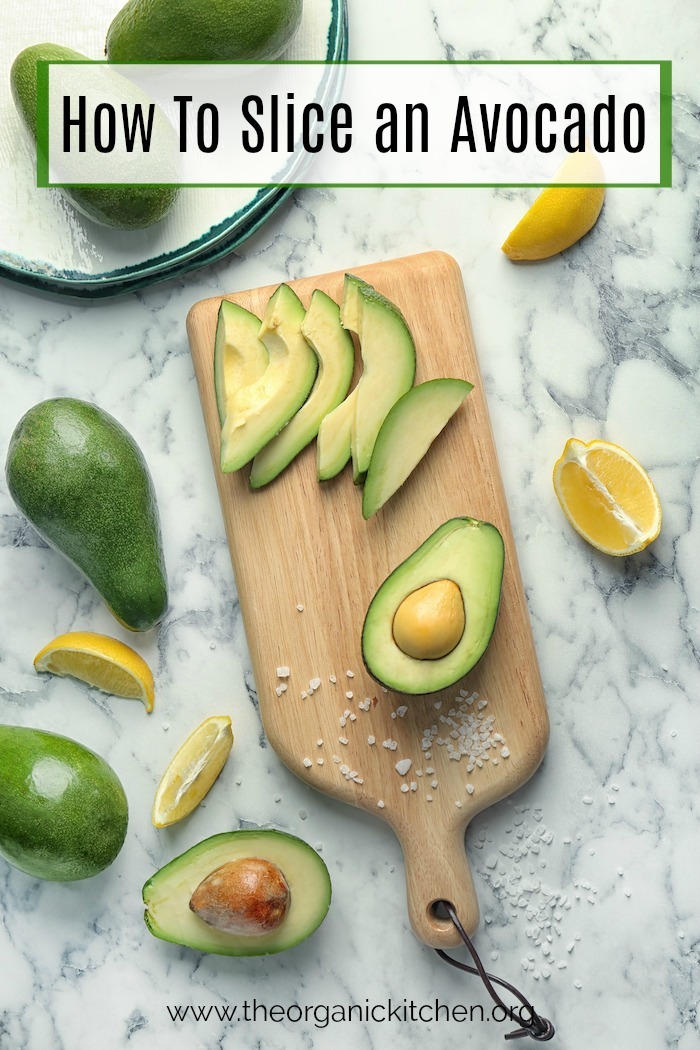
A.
x: 607, y: 496
x: 561, y: 215
x: 100, y: 661
x: 192, y: 770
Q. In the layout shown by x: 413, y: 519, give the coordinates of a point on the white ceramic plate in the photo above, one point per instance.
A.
x: 48, y: 244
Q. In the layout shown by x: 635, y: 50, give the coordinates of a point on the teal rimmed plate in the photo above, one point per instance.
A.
x: 47, y: 244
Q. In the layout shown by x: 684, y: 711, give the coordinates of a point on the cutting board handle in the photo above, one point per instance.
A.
x: 438, y: 870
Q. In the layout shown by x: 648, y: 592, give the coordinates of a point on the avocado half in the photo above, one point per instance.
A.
x: 466, y: 551
x: 167, y: 893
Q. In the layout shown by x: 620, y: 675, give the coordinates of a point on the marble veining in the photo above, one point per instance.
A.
x: 603, y: 843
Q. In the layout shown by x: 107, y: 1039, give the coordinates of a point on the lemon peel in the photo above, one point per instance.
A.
x: 560, y: 215
x: 192, y: 770
x: 607, y: 496
x: 99, y: 661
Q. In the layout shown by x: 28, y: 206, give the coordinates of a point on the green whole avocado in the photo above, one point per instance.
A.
x: 121, y: 207
x: 212, y: 31
x: 82, y: 481
x: 63, y: 811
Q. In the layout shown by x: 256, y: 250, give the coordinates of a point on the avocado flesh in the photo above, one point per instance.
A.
x: 408, y: 431
x: 389, y: 368
x: 335, y: 351
x: 64, y: 813
x: 167, y: 893
x: 333, y: 447
x: 240, y: 357
x: 471, y: 554
x: 120, y: 207
x: 259, y: 411
x: 351, y: 305
x: 83, y: 483
x: 213, y: 31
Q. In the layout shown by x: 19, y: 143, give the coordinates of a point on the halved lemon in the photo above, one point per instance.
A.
x: 607, y: 496
x: 100, y: 661
x: 192, y: 770
x: 561, y: 215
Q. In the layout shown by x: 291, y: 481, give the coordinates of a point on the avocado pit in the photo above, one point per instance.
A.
x: 430, y: 621
x: 249, y: 896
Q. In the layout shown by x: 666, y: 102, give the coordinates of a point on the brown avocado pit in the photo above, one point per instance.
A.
x: 249, y: 896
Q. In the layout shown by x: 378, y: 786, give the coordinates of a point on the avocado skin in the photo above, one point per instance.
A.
x: 63, y: 811
x: 118, y: 207
x: 470, y: 553
x: 168, y: 892
x: 82, y: 481
x: 202, y: 30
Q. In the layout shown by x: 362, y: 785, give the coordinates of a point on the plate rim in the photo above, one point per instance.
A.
x: 218, y: 241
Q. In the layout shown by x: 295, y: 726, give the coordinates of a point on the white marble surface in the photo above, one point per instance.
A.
x: 602, y: 341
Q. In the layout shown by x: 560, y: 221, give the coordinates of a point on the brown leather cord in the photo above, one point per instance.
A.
x: 539, y: 1028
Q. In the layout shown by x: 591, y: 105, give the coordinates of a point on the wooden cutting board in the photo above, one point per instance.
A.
x: 307, y: 566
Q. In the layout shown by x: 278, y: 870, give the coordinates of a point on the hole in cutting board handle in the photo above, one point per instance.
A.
x: 439, y: 915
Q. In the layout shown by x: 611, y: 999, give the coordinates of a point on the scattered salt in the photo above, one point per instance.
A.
x: 403, y: 766
x: 308, y: 763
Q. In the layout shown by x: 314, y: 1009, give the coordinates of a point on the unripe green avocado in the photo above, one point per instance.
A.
x: 63, y: 811
x: 82, y: 481
x: 202, y: 30
x: 121, y: 207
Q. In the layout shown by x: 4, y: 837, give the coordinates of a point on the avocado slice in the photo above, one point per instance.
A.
x: 167, y: 894
x: 464, y: 552
x: 240, y: 356
x: 406, y: 434
x: 389, y: 368
x: 333, y: 448
x: 351, y: 305
x: 335, y: 351
x: 83, y: 483
x: 259, y: 411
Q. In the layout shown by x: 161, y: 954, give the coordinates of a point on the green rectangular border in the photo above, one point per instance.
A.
x: 665, y: 129
x: 42, y: 123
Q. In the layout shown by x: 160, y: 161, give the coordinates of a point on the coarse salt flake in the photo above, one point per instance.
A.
x: 283, y: 672
x: 300, y: 607
x: 308, y: 763
x: 403, y: 766
x: 404, y: 788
